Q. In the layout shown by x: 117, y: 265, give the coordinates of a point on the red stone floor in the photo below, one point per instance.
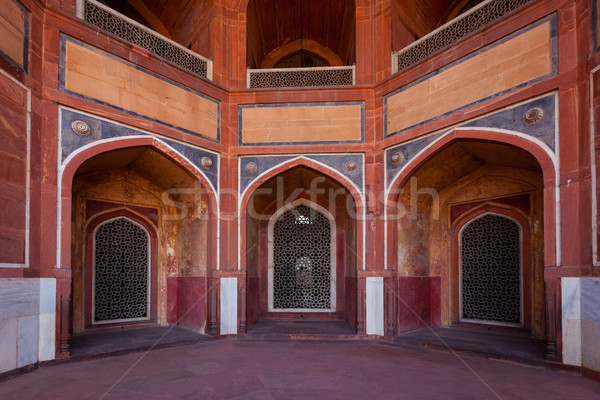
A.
x: 121, y: 341
x: 285, y: 369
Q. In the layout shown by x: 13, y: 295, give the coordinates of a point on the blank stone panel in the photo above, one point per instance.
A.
x: 98, y: 75
x: 301, y: 123
x: 13, y: 32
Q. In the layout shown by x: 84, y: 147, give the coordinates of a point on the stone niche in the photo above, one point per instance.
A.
x: 144, y: 183
x: 461, y: 179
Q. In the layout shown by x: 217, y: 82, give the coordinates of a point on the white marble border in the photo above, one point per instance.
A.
x: 374, y: 306
x: 571, y: 320
x: 47, y: 323
x: 229, y: 296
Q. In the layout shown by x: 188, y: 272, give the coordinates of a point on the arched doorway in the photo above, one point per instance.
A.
x: 138, y: 183
x: 300, y: 249
x: 451, y: 185
x: 490, y: 270
x: 302, y: 265
x: 121, y: 263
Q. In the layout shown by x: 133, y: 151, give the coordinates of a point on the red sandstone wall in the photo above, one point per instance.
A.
x: 373, y: 47
x: 14, y: 167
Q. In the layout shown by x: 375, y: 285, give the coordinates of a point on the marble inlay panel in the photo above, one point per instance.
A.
x: 590, y: 299
x: 20, y: 297
x: 374, y: 306
x: 228, y: 306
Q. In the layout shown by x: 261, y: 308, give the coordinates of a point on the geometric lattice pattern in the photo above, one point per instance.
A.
x: 460, y: 29
x: 302, y: 260
x: 301, y: 77
x: 113, y: 23
x: 490, y: 279
x: 120, y: 271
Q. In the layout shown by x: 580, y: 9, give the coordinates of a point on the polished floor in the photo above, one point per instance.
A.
x: 253, y: 368
x: 282, y: 329
x: 502, y: 344
x: 121, y: 341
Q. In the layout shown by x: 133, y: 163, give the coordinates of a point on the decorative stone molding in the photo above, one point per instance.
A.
x: 533, y: 116
x: 397, y: 158
x: 351, y: 165
x: 81, y: 128
x: 251, y: 167
x: 206, y: 162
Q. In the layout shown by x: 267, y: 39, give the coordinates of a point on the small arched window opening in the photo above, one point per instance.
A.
x: 121, y: 272
x: 490, y: 281
x: 302, y: 259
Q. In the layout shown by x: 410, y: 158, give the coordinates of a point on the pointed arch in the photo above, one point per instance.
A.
x: 545, y: 156
x: 519, y: 218
x: 325, y: 170
x: 306, y: 45
x: 150, y: 231
x: 307, y: 162
x: 68, y: 168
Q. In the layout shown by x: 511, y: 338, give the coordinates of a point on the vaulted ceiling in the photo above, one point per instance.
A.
x: 280, y: 28
x: 462, y: 157
x: 143, y: 161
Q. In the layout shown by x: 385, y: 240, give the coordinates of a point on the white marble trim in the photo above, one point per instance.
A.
x: 571, y: 320
x: 228, y: 306
x: 374, y: 306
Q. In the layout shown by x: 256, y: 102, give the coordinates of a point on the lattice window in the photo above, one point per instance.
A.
x: 465, y: 25
x: 302, y: 260
x: 117, y: 24
x: 491, y: 270
x: 300, y: 77
x: 121, y: 271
